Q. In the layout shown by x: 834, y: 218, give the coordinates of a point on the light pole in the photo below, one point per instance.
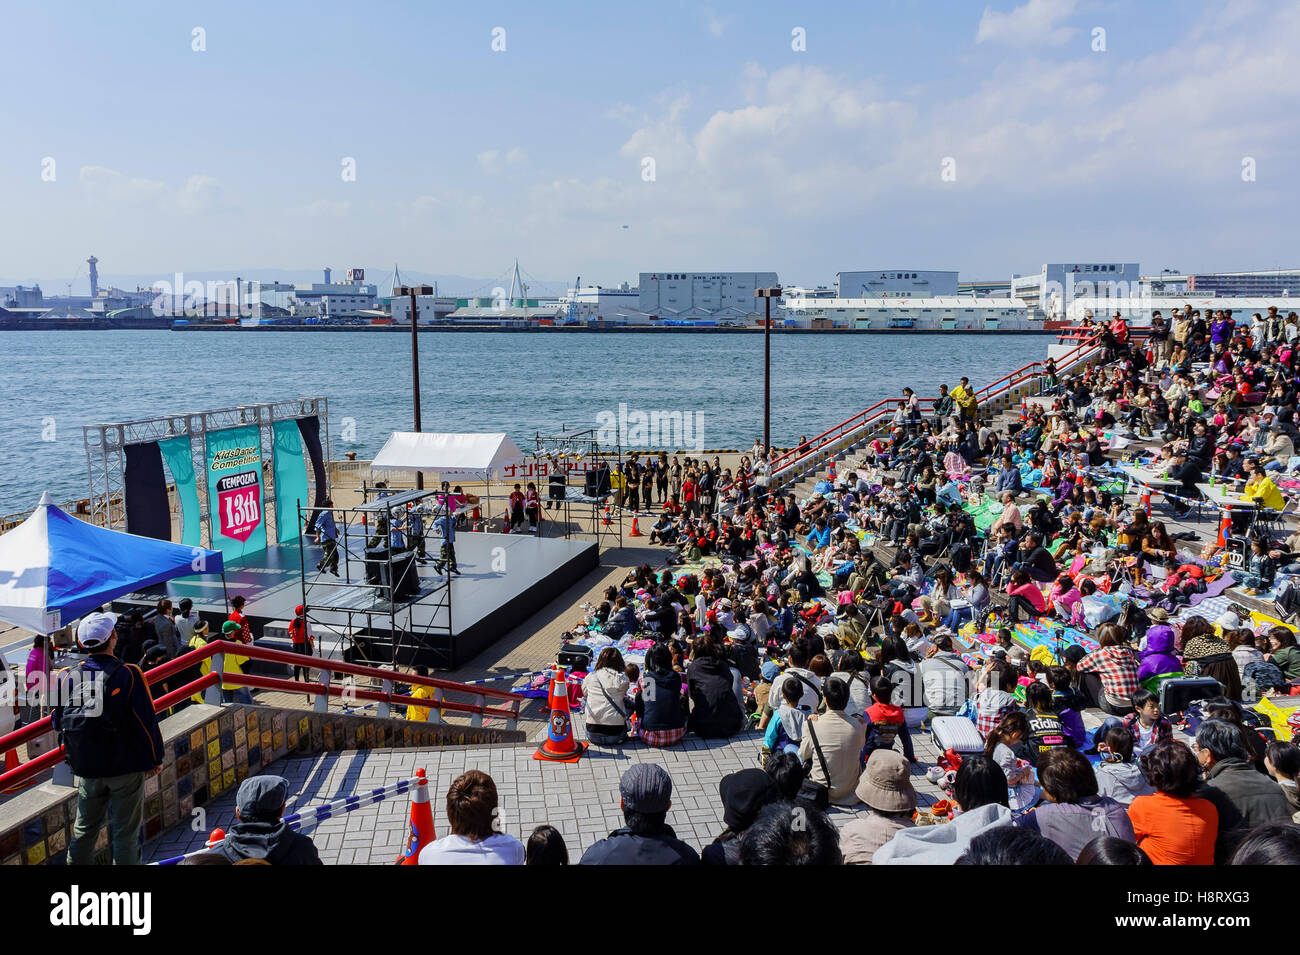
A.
x: 413, y: 291
x: 767, y: 294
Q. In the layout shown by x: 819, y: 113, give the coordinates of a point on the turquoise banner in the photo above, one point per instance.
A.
x: 235, y: 493
x: 290, y: 479
x: 176, y: 452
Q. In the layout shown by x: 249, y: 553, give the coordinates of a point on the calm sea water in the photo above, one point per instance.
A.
x: 52, y: 383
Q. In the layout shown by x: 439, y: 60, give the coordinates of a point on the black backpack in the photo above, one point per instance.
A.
x: 961, y: 557
x: 88, y: 731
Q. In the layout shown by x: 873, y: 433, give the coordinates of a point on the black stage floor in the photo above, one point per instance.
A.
x: 505, y: 579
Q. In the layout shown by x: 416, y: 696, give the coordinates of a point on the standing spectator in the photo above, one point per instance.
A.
x: 185, y: 619
x: 474, y: 838
x: 303, y: 640
x: 164, y: 629
x: 245, y: 635
x: 645, y: 796
x: 420, y: 691
x: 111, y: 740
x: 1173, y: 826
x: 36, y: 678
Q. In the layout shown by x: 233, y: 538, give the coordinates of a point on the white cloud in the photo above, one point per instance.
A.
x: 1037, y: 22
x: 494, y: 161
x: 325, y: 208
x: 716, y: 24
x: 200, y: 194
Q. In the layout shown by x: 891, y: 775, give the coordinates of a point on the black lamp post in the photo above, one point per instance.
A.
x: 413, y: 291
x: 767, y: 294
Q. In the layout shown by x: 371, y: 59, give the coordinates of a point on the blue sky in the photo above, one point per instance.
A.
x: 806, y: 162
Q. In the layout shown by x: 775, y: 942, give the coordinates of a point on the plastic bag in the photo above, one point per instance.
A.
x: 1098, y: 608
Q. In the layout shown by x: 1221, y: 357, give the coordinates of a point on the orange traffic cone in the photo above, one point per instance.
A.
x: 218, y: 836
x: 1146, y: 500
x: 422, y: 832
x: 1225, y: 525
x: 560, y: 746
x: 605, y: 519
x: 635, y: 530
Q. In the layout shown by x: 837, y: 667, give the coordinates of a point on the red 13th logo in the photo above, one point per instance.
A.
x: 238, y: 505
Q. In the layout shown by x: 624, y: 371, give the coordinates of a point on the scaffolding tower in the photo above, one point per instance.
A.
x: 375, y: 604
x: 562, y: 450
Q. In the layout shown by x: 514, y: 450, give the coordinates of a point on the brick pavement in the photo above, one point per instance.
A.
x: 579, y: 799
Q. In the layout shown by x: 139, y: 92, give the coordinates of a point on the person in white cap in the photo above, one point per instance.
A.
x: 106, y: 722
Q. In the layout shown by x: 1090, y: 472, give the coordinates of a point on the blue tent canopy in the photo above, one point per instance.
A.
x: 55, y: 568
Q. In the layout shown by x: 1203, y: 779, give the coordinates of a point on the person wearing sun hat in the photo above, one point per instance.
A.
x: 886, y: 788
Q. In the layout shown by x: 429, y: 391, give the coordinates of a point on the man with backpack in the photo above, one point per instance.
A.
x: 109, y: 731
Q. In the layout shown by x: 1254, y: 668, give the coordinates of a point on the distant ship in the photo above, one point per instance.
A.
x: 823, y: 309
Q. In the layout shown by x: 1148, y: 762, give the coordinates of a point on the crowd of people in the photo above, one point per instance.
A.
x: 782, y: 615
x: 894, y: 595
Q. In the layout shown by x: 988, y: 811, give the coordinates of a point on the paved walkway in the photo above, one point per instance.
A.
x: 579, y: 799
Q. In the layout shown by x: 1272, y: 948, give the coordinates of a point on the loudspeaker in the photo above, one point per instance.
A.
x: 597, y: 483
x: 406, y: 579
x: 557, y: 482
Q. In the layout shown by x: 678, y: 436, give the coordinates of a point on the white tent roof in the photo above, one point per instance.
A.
x: 468, y: 455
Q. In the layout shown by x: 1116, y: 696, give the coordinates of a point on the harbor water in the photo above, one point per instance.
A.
x: 56, y: 382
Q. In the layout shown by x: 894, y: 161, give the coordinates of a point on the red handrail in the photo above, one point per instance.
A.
x: 34, y: 767
x: 789, y: 459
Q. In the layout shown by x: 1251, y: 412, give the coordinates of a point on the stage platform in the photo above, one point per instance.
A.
x: 485, y: 602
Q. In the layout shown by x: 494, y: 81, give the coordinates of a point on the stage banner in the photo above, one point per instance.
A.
x: 310, y: 428
x: 147, y: 513
x: 235, y: 494
x: 176, y: 452
x: 290, y: 479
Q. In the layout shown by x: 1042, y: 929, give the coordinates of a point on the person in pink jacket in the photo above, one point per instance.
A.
x: 1064, y: 596
x: 1024, y: 596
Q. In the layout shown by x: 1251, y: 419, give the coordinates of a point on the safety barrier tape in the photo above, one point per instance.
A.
x: 313, y: 815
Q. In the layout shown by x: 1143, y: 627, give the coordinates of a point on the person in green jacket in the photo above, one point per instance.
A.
x: 1285, y: 653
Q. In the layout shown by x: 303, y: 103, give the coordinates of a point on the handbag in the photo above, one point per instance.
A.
x: 813, y: 792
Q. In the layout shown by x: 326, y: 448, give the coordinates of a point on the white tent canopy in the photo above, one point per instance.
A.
x: 461, y: 455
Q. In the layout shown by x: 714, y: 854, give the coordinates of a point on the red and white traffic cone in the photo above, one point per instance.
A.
x: 422, y: 831
x: 559, y: 745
